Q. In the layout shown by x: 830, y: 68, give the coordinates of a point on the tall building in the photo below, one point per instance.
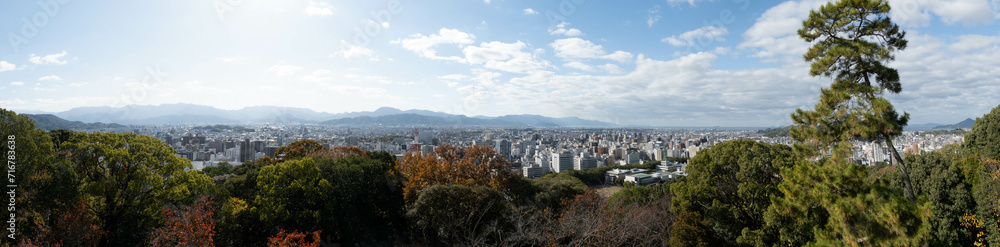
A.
x: 632, y: 158
x: 503, y: 147
x: 246, y: 151
x: 584, y: 161
x: 562, y: 161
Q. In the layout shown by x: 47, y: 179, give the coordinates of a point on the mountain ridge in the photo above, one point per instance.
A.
x: 385, y: 116
x: 49, y: 122
x: 964, y: 124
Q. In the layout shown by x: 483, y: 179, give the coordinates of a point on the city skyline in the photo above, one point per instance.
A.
x: 656, y: 63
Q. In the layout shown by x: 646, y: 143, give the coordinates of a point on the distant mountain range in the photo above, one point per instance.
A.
x: 964, y: 124
x: 52, y: 122
x: 385, y: 116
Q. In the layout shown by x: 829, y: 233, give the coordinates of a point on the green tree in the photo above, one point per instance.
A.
x: 548, y: 193
x: 690, y: 229
x: 730, y: 185
x: 853, y: 40
x: 984, y: 139
x: 452, y: 214
x: 828, y: 199
x: 987, y: 194
x: 128, y: 178
x: 222, y: 168
x: 940, y: 183
x: 294, y: 195
x: 639, y: 195
x: 352, y: 199
x: 59, y: 136
x: 47, y: 186
x: 981, y: 150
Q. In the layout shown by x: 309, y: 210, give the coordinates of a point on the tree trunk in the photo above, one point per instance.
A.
x: 902, y: 167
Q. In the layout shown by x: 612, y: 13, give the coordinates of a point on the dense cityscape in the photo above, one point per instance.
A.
x: 534, y: 151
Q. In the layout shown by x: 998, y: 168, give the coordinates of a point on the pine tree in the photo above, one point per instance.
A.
x: 828, y: 199
x: 853, y: 39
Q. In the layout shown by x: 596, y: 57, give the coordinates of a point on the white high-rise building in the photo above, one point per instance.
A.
x: 562, y: 161
x: 584, y: 161
x: 632, y: 158
x: 543, y: 161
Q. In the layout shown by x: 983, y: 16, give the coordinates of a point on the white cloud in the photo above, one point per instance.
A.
x: 973, y: 43
x: 487, y: 1
x: 938, y: 84
x: 48, y: 59
x: 578, y: 65
x: 702, y: 36
x: 577, y: 48
x: 509, y: 57
x: 774, y: 34
x: 423, y: 45
x: 353, y: 51
x: 78, y: 84
x: 284, y: 70
x: 611, y: 68
x: 17, y: 83
x: 653, y: 17
x: 561, y: 30
x: 51, y: 77
x: 453, y: 77
x: 722, y: 50
x: 530, y: 11
x: 968, y: 12
x: 319, y: 8
x: 5, y: 66
x: 681, y: 92
x: 318, y: 76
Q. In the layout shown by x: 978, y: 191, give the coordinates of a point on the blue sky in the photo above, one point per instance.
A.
x: 663, y: 63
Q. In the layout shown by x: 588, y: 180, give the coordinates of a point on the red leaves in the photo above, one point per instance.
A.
x: 74, y: 227
x: 191, y: 227
x: 294, y: 239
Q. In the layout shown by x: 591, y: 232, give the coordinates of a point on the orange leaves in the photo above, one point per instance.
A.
x: 298, y: 149
x: 191, y: 227
x: 476, y: 165
x: 294, y: 239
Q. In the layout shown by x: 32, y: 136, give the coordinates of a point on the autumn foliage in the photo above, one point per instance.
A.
x: 337, y: 153
x: 476, y: 165
x: 589, y: 220
x: 192, y: 226
x: 294, y: 239
x: 298, y: 149
x: 75, y: 227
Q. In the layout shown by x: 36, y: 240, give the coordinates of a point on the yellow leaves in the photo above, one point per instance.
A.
x: 973, y: 224
x: 238, y: 205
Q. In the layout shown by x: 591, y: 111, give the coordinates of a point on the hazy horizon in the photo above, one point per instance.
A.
x: 650, y: 63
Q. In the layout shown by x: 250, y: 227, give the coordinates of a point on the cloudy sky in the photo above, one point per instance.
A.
x: 663, y: 63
